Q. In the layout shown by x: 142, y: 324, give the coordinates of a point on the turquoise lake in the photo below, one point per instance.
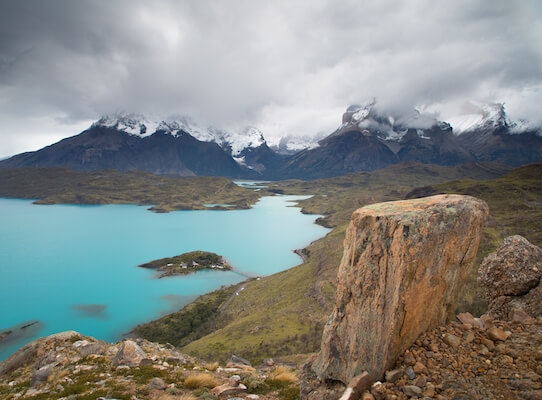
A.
x: 75, y: 267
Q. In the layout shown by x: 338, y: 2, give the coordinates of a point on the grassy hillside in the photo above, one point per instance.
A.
x: 515, y: 207
x: 61, y: 185
x: 284, y: 313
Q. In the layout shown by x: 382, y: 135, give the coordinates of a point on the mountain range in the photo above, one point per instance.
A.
x: 367, y: 139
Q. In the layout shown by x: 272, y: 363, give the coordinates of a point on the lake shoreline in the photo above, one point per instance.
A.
x: 80, y: 253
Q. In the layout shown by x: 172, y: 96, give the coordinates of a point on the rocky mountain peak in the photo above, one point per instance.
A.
x: 131, y: 123
x: 479, y: 116
x: 141, y: 125
x: 358, y: 112
x: 233, y: 141
x: 392, y: 126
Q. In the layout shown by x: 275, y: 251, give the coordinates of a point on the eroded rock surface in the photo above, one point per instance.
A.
x: 403, y: 265
x: 54, y: 367
x: 129, y: 354
x: 511, y: 277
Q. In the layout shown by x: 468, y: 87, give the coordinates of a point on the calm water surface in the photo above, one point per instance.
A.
x: 74, y: 267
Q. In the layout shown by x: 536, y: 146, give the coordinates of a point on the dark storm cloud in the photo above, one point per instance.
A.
x: 287, y: 67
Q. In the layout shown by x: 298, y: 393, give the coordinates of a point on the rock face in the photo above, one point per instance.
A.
x: 129, y: 354
x: 512, y: 278
x: 402, y: 267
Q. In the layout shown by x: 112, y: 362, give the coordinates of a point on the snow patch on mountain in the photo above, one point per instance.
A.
x: 475, y: 116
x: 237, y: 140
x: 132, y: 124
x: 143, y: 126
x: 384, y: 125
x: 290, y: 144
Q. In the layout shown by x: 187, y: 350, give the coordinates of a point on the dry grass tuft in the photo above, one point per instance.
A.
x: 279, y: 369
x: 56, y: 377
x: 284, y: 374
x: 200, y: 380
x: 187, y: 396
x: 212, y: 366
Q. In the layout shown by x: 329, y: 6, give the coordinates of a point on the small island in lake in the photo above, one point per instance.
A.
x: 187, y: 263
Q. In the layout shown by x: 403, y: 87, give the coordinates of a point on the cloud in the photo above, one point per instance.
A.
x: 286, y: 67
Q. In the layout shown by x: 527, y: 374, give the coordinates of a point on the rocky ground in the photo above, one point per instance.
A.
x: 71, y: 366
x: 498, y: 360
x: 475, y: 359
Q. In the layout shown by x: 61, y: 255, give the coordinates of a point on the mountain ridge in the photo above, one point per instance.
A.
x: 368, y: 139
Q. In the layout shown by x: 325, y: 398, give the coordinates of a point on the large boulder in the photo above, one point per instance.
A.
x: 403, y: 265
x: 511, y: 277
x: 129, y: 354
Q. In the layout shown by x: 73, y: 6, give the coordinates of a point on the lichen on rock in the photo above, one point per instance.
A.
x: 403, y: 265
x: 512, y: 278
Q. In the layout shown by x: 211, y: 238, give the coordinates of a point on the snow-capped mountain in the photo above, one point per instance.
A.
x: 246, y: 145
x: 386, y: 126
x: 477, y: 116
x: 489, y: 135
x: 290, y: 144
x: 143, y: 126
x: 237, y: 140
x: 368, y: 138
x: 131, y: 142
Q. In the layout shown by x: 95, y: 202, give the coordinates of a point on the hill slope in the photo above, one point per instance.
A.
x: 100, y: 148
x: 284, y: 313
x: 60, y: 185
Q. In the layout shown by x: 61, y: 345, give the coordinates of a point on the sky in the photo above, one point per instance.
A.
x: 285, y: 67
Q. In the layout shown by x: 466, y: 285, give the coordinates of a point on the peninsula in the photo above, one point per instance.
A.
x: 161, y: 193
x: 187, y: 263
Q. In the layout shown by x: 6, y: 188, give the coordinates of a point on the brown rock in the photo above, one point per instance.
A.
x: 129, y: 354
x: 394, y: 375
x: 367, y: 396
x: 237, y: 366
x: 488, y: 343
x: 360, y: 383
x: 487, y: 321
x: 452, y: 340
x: 157, y: 384
x: 419, y: 368
x: 467, y: 318
x: 511, y: 277
x: 420, y: 381
x: 92, y: 348
x: 412, y: 391
x: 228, y: 390
x: 238, y: 360
x: 22, y: 357
x: 234, y: 380
x: 495, y: 333
x: 484, y: 350
x: 429, y: 390
x: 403, y: 265
x: 468, y: 337
x: 39, y: 376
x: 269, y: 362
x: 518, y: 315
x: 145, y: 362
x: 409, y: 359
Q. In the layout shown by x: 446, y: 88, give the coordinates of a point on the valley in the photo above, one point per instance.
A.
x: 230, y: 200
x: 283, y: 314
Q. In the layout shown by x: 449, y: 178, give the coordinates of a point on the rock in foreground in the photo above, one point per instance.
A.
x: 403, y: 265
x: 512, y: 277
x: 69, y: 365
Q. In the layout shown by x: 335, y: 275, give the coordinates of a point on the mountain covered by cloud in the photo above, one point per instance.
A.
x: 286, y: 68
x: 369, y: 138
